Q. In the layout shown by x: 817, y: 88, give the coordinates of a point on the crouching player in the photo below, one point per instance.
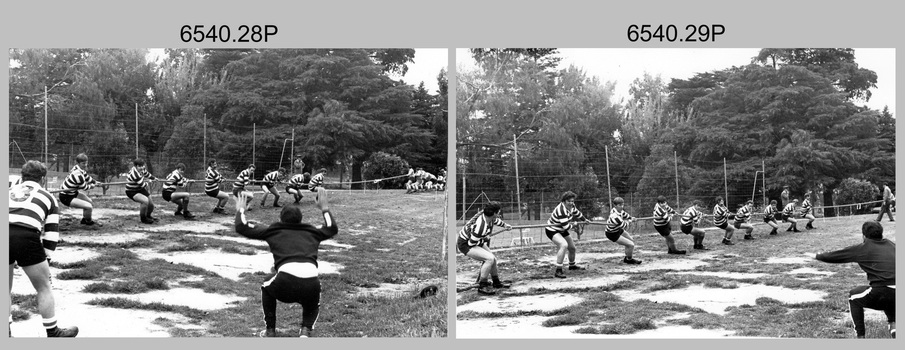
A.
x: 473, y: 241
x: 294, y: 247
x: 296, y: 183
x: 877, y: 257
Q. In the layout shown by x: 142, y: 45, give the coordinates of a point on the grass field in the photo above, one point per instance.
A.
x: 769, y: 287
x: 198, y: 278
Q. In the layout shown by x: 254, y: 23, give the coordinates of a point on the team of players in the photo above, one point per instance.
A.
x: 420, y: 180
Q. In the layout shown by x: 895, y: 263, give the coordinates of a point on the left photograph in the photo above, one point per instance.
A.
x: 228, y: 192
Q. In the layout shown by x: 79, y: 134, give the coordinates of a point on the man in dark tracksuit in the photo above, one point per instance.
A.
x: 294, y: 246
x: 877, y: 257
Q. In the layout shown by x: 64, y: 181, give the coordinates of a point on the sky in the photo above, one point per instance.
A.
x: 625, y: 65
x: 427, y: 64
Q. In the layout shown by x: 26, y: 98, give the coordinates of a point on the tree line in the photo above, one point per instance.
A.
x: 343, y: 105
x: 791, y: 111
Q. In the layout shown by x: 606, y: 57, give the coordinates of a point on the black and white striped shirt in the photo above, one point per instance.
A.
x: 138, y: 179
x: 173, y: 180
x: 78, y: 179
x: 691, y: 216
x: 770, y: 212
x: 244, y: 179
x: 617, y: 221
x: 743, y: 214
x: 789, y: 210
x: 212, y: 180
x: 316, y: 181
x: 478, y: 228
x: 272, y: 178
x: 297, y: 181
x: 806, y: 207
x: 32, y: 207
x: 561, y: 217
x: 662, y: 213
x: 720, y: 215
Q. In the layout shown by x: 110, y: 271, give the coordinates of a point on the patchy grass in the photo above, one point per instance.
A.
x: 380, y: 220
x: 766, y: 317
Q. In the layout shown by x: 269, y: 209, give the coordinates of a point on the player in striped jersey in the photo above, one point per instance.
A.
x: 807, y: 211
x: 741, y: 219
x: 295, y: 185
x: 691, y: 217
x: 79, y: 179
x: 270, y: 186
x: 33, y: 210
x: 563, y: 218
x: 212, y: 182
x: 317, y: 181
x: 473, y: 241
x: 788, y: 215
x: 721, y: 220
x: 615, y: 230
x: 770, y: 213
x: 244, y: 179
x: 181, y: 199
x: 662, y: 215
x: 137, y: 185
x: 412, y: 180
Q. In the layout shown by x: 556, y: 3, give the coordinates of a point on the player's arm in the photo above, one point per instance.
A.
x: 243, y: 226
x: 329, y: 229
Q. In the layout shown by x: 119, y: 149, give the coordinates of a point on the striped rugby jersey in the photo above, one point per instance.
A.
x: 662, y: 213
x: 789, y: 209
x: 316, y: 181
x: 32, y: 207
x: 561, y: 217
x: 212, y: 180
x: 78, y: 179
x: 720, y: 215
x: 173, y: 180
x: 138, y: 179
x: 742, y: 215
x: 297, y: 181
x: 244, y: 179
x: 617, y: 221
x: 806, y: 207
x: 272, y: 178
x: 770, y: 212
x: 691, y: 216
x: 426, y: 176
x: 477, y: 229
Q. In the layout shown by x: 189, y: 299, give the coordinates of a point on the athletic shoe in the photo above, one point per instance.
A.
x: 58, y: 332
x: 749, y: 237
x: 576, y: 267
x: 559, y: 274
x: 147, y: 221
x: 727, y: 242
x: 501, y: 285
x: 188, y: 215
x: 306, y: 332
x: 268, y: 333
x: 90, y: 222
x: 277, y: 206
x: 796, y: 230
x: 486, y: 290
x: 178, y: 212
x: 677, y: 252
x: 631, y: 261
x: 700, y: 247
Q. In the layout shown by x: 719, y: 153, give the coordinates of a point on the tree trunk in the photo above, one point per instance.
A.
x: 828, y: 198
x: 356, y: 174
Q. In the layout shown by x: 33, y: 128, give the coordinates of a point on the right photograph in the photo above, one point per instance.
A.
x: 675, y: 193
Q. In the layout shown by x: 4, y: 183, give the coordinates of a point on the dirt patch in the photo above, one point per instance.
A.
x: 523, y: 327
x: 569, y: 283
x: 546, y: 302
x: 731, y: 275
x: 789, y: 260
x: 191, y: 226
x: 809, y: 271
x: 67, y: 254
x: 405, y: 290
x: 111, y: 238
x: 98, y: 213
x: 228, y: 265
x: 716, y: 300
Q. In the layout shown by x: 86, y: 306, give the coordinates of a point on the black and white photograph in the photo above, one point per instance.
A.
x: 188, y: 192
x: 675, y: 193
